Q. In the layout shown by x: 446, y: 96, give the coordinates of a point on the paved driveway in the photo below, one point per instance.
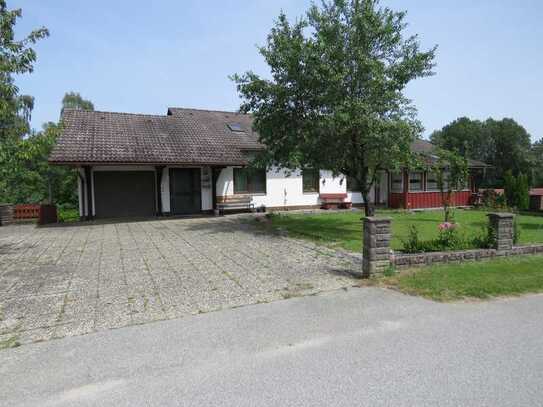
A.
x: 71, y: 280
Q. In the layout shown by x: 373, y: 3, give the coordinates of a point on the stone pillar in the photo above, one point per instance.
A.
x: 502, y: 226
x: 376, y: 247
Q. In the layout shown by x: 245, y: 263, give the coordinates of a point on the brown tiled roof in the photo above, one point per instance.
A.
x: 428, y: 149
x: 184, y: 136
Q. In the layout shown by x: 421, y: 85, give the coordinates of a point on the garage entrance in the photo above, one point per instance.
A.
x: 124, y: 194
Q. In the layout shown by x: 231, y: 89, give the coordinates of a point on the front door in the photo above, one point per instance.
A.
x: 185, y: 191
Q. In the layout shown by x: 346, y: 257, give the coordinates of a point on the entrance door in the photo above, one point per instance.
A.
x: 185, y: 191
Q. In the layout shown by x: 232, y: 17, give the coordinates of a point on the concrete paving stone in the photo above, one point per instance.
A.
x: 9, y: 325
x: 79, y: 306
x: 112, y: 316
x: 181, y: 266
x: 36, y: 335
x: 81, y: 326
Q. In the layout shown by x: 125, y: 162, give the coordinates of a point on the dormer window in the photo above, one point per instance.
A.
x: 236, y: 127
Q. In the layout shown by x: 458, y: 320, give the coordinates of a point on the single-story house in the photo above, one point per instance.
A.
x: 190, y: 161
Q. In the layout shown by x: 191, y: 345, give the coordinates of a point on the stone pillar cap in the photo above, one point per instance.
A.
x: 501, y: 215
x: 376, y: 219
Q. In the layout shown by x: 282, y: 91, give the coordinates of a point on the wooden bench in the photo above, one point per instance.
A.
x: 236, y: 202
x: 330, y: 201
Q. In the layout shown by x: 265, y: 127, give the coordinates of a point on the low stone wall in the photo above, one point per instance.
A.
x: 403, y: 261
x: 377, y: 255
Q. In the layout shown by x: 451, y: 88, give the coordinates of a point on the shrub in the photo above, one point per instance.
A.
x: 517, y: 191
x: 449, y: 238
x: 486, y: 239
x: 516, y: 230
x: 67, y: 214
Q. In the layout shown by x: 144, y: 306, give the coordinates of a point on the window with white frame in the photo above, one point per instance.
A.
x: 415, y: 181
x: 432, y: 181
x: 396, y: 182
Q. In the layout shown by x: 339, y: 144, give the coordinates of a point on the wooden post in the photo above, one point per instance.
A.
x: 88, y: 185
x: 159, y: 170
x: 405, y: 189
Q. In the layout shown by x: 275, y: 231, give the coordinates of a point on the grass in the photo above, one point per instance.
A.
x: 344, y: 229
x: 68, y: 215
x: 11, y: 342
x: 499, y: 277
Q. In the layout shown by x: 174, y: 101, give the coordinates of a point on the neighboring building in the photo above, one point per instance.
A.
x: 189, y: 160
x: 536, y: 199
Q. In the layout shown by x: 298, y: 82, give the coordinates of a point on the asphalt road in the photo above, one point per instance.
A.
x: 361, y: 347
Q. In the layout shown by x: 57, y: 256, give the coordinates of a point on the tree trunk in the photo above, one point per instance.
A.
x: 368, y: 207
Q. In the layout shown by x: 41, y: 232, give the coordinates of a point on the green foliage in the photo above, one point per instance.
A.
x: 335, y: 100
x: 16, y: 58
x: 517, y: 191
x: 28, y: 177
x: 452, y: 175
x: 537, y: 158
x: 390, y: 271
x: 517, y: 230
x: 486, y: 239
x: 413, y: 243
x: 73, y: 100
x: 504, y: 144
x: 68, y: 214
x: 492, y: 200
x: 448, y: 238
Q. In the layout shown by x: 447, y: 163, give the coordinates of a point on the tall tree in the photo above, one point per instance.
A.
x: 16, y: 57
x: 335, y: 98
x: 513, y: 144
x: 469, y: 138
x: 504, y: 144
x: 537, y: 157
x: 73, y: 100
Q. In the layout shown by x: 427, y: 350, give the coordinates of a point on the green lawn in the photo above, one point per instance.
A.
x: 501, y: 277
x: 344, y: 229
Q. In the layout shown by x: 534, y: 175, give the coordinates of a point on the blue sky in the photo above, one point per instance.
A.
x: 144, y: 56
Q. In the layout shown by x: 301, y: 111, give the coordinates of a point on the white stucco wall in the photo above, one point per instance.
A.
x: 285, y: 189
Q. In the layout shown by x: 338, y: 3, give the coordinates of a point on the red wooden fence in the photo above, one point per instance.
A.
x: 27, y: 211
x: 43, y: 213
x: 419, y: 200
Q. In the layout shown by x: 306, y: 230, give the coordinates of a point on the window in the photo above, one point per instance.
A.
x: 236, y: 127
x: 352, y: 185
x: 415, y: 181
x: 432, y: 183
x: 396, y: 182
x: 249, y: 181
x: 310, y: 180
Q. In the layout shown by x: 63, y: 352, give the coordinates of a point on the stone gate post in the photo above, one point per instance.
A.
x: 376, y: 246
